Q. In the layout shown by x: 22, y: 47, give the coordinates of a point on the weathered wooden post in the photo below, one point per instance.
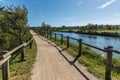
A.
x: 55, y: 36
x: 80, y: 47
x: 108, y: 63
x: 67, y: 41
x: 50, y: 35
x: 42, y: 33
x: 61, y: 38
x: 22, y: 53
x: 31, y: 43
x: 47, y: 34
x: 79, y: 52
x: 5, y: 68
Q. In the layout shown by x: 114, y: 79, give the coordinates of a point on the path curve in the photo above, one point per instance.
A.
x: 50, y: 64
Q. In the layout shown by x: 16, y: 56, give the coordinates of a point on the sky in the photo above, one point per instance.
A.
x: 69, y: 12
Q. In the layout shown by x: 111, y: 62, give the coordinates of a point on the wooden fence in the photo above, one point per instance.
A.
x: 108, y: 50
x: 6, y: 55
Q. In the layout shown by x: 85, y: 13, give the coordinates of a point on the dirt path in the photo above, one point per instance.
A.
x: 53, y: 64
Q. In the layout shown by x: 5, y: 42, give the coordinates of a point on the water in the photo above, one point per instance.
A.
x: 98, y: 41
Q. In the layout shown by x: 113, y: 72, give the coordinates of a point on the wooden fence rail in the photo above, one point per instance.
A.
x: 6, y: 55
x: 108, y: 50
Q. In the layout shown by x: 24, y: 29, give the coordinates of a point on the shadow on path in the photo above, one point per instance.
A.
x: 70, y: 62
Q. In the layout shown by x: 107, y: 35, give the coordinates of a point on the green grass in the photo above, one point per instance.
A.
x: 109, y: 31
x: 94, y: 62
x: 98, y: 31
x: 21, y: 70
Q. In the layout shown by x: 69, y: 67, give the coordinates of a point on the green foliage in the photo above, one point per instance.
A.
x: 44, y: 29
x: 13, y: 27
x: 6, y: 41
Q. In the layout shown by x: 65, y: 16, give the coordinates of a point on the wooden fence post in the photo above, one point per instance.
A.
x: 23, y: 53
x: 80, y: 51
x: 108, y: 63
x: 55, y: 36
x: 80, y: 47
x: 67, y: 41
x: 43, y: 33
x: 31, y: 43
x: 47, y: 34
x: 50, y: 35
x: 61, y: 38
x: 5, y: 70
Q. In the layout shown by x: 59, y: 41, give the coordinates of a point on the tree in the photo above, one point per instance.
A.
x: 45, y: 27
x: 13, y: 25
x: 17, y: 18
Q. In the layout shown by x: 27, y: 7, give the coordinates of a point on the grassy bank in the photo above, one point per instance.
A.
x: 21, y: 70
x: 95, y: 30
x: 94, y: 62
x: 110, y: 33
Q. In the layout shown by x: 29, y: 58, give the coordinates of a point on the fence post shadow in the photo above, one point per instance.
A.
x: 75, y: 59
x: 79, y: 54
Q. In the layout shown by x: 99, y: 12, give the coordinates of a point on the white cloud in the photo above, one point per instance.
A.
x: 106, y: 4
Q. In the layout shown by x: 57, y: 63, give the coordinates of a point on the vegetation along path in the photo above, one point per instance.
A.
x: 53, y: 63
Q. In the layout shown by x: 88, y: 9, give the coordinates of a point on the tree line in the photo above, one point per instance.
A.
x: 90, y: 29
x: 93, y: 29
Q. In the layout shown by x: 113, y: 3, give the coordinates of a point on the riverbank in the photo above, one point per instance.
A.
x: 99, y: 33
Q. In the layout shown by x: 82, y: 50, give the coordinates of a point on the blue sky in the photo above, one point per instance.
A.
x: 69, y: 12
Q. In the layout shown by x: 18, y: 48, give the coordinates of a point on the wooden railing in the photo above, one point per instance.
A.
x: 108, y: 50
x: 6, y: 55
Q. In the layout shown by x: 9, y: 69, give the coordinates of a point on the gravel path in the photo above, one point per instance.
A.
x: 52, y: 63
